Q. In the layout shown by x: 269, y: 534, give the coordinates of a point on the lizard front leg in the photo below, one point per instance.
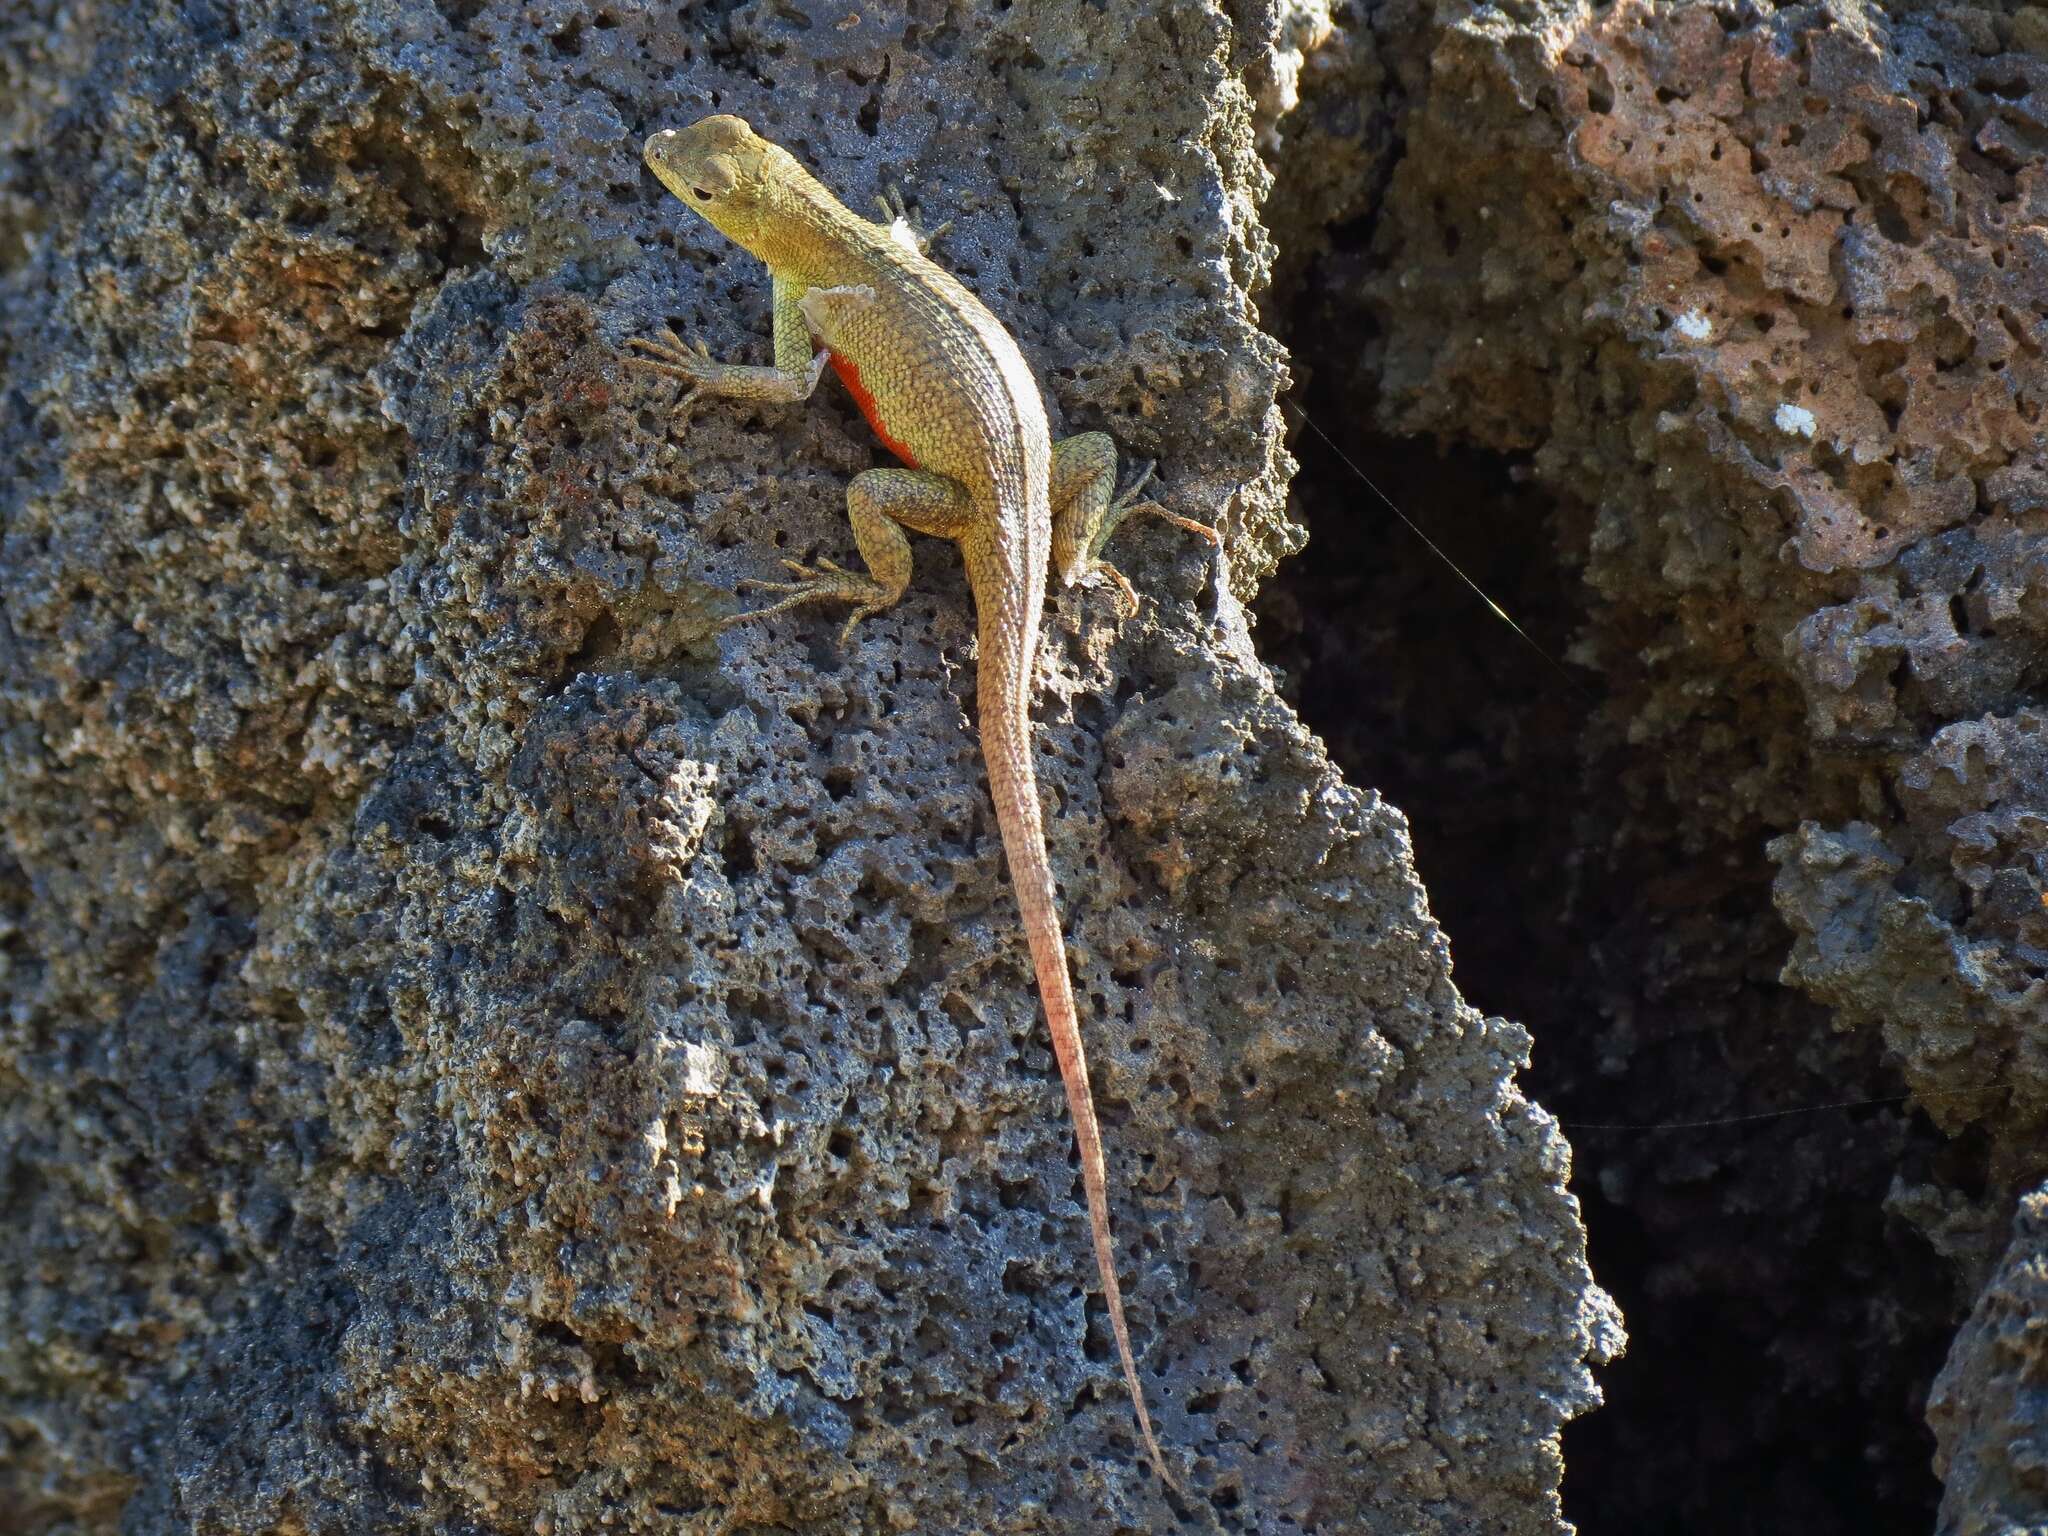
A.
x: 880, y: 503
x: 1085, y: 512
x: 793, y: 377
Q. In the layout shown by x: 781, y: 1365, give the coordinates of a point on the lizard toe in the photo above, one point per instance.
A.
x: 1129, y: 493
x: 1102, y: 574
x: 1188, y: 524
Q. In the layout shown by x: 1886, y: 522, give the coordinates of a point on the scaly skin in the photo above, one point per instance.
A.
x: 946, y: 389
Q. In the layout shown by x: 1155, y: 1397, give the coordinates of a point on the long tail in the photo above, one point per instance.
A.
x: 1005, y: 688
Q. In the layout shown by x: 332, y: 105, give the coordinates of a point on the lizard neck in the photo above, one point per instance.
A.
x: 809, y: 235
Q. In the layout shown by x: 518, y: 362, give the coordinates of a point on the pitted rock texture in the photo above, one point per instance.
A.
x: 483, y: 1051
x: 1741, y: 310
x: 1994, y: 1454
x: 1737, y: 310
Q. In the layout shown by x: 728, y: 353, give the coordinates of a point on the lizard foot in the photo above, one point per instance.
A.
x: 824, y: 583
x: 1097, y: 571
x: 691, y: 362
x: 1126, y: 503
x: 904, y: 225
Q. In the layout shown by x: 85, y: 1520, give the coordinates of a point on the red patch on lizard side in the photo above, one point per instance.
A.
x: 849, y: 375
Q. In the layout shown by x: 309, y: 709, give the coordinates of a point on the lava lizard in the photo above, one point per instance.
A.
x: 945, y: 388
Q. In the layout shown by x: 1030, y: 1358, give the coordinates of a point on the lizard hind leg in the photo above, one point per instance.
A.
x: 1088, y: 509
x: 880, y: 504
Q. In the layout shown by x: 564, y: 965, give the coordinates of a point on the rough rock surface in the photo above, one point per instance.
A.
x: 1994, y: 1455
x: 482, y: 1053
x: 1752, y: 303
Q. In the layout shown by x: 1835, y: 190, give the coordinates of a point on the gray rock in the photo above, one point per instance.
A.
x: 486, y: 1054
x: 1985, y: 1406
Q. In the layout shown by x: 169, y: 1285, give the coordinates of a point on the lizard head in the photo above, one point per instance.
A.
x: 722, y: 169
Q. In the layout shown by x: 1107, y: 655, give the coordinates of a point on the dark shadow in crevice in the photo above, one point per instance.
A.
x: 1783, y: 1330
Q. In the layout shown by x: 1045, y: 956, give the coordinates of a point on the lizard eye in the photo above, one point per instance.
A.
x: 700, y: 194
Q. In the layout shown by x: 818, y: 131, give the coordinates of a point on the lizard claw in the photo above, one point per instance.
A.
x: 854, y: 618
x: 670, y: 351
x: 670, y: 355
x: 802, y: 572
x: 1127, y: 502
x: 1103, y: 574
x: 821, y: 571
x: 1138, y: 482
x: 1090, y: 569
x: 904, y: 225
